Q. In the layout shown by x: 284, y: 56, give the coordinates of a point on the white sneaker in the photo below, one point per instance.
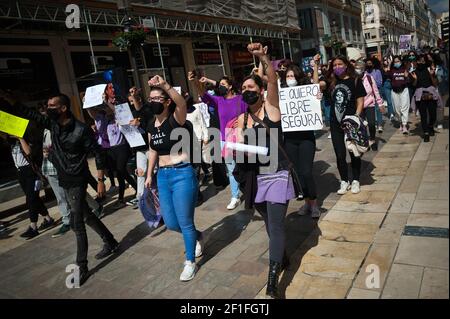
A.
x: 344, y: 188
x: 329, y: 136
x: 304, y: 210
x: 355, y: 187
x: 380, y: 129
x: 315, y: 211
x: 234, y: 203
x: 198, y: 249
x: 188, y: 271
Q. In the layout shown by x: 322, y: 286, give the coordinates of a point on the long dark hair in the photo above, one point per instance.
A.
x: 255, y: 77
x: 230, y: 81
x: 397, y: 57
x: 172, y: 105
x: 350, y: 71
x: 300, y: 76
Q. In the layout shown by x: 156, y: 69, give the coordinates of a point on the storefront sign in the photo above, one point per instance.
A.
x: 207, y: 57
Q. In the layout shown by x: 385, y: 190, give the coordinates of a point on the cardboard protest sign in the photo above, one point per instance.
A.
x: 300, y: 108
x: 13, y: 125
x: 94, y: 96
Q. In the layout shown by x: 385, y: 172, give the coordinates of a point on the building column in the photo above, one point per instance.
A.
x: 341, y: 17
x: 65, y: 74
x: 189, y: 62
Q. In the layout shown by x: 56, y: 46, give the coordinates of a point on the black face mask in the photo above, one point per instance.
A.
x: 222, y: 90
x: 157, y: 107
x: 53, y: 114
x: 369, y: 68
x: 250, y: 97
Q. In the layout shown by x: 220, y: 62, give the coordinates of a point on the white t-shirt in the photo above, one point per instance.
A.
x: 17, y: 155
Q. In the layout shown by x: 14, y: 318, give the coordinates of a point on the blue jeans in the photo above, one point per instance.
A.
x: 387, y: 96
x: 234, y: 185
x: 178, y: 188
x: 379, y: 116
x: 326, y: 109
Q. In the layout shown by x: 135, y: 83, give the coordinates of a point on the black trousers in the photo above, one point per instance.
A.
x: 428, y: 113
x: 274, y: 215
x: 337, y: 137
x: 301, y: 153
x: 80, y: 213
x: 27, y: 180
x: 118, y: 157
x: 369, y: 115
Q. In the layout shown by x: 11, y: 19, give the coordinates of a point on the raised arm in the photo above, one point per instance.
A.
x: 18, y: 109
x: 272, y: 85
x: 180, y: 110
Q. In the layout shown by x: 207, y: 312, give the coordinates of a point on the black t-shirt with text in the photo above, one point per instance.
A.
x: 343, y: 98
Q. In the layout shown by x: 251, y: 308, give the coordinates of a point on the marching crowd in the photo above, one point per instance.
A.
x: 354, y: 97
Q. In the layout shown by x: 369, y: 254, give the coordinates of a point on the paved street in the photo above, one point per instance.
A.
x: 399, y: 222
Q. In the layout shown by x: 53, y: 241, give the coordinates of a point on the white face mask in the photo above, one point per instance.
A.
x: 319, y: 72
x: 211, y: 92
x: 359, y: 71
x: 291, y: 82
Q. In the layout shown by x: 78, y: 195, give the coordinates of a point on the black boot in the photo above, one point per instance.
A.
x: 272, y: 282
x: 84, y: 275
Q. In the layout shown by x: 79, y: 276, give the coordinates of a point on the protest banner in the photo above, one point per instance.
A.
x: 123, y: 114
x: 132, y: 135
x: 405, y: 42
x: 13, y: 125
x: 300, y: 108
x: 94, y: 96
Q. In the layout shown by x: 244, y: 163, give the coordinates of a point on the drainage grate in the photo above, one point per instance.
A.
x: 420, y: 231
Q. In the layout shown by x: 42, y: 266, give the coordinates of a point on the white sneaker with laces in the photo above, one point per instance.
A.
x: 315, y: 211
x: 304, y: 210
x: 198, y: 249
x: 233, y: 203
x: 344, y: 188
x: 188, y: 271
x: 355, y: 187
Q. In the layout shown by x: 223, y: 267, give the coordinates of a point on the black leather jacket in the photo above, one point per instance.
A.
x: 71, y: 145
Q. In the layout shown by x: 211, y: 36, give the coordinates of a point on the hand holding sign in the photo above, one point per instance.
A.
x: 94, y: 96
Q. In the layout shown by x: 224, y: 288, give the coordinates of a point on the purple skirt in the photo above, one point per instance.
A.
x: 276, y: 188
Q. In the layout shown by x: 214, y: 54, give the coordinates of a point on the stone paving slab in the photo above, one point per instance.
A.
x: 404, y: 282
x: 356, y: 293
x: 402, y: 203
x: 380, y: 255
x: 430, y: 206
x: 423, y: 251
x: 428, y: 220
x: 434, y: 284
